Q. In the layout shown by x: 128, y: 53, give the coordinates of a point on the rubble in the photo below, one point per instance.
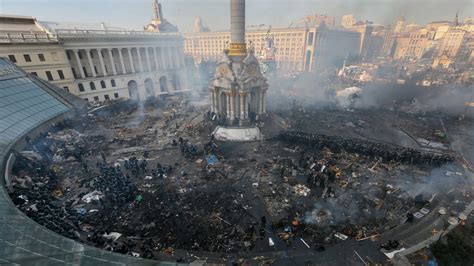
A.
x: 158, y: 188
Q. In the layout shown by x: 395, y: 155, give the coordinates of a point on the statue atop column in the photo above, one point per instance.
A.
x: 238, y: 88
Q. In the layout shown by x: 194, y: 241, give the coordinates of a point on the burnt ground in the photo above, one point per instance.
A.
x: 178, y: 207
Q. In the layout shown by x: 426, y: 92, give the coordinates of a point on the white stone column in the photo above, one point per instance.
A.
x: 147, y: 54
x: 260, y: 102
x: 111, y: 56
x: 227, y: 96
x: 232, y: 98
x: 163, y: 59
x: 176, y: 55
x: 183, y: 61
x: 101, y: 60
x: 170, y: 58
x: 78, y: 59
x: 131, y: 59
x: 156, y: 58
x: 246, y: 105
x: 91, y: 64
x: 139, y: 58
x: 219, y: 103
x: 122, y: 62
x: 212, y: 101
x: 242, y: 102
x: 264, y: 103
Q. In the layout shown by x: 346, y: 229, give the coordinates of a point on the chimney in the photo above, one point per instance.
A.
x: 237, y: 47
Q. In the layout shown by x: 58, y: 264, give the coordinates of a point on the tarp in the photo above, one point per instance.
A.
x: 211, y: 159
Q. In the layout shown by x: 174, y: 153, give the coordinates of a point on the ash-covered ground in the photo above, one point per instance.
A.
x: 150, y: 181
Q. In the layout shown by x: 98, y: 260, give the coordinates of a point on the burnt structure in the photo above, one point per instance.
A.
x: 238, y: 87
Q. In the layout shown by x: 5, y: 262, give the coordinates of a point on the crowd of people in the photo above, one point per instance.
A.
x: 368, y: 148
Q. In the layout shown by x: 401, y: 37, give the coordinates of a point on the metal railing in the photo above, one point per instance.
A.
x: 27, y: 37
x: 84, y: 32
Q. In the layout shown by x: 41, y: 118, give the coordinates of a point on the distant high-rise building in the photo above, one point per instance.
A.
x: 456, y: 42
x: 411, y: 45
x: 296, y: 49
x: 400, y: 27
x: 198, y: 26
x: 348, y: 21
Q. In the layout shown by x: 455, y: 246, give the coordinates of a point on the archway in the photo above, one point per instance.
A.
x: 133, y: 90
x: 163, y: 84
x: 150, y: 90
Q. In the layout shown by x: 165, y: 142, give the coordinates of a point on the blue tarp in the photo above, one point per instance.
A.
x: 211, y: 159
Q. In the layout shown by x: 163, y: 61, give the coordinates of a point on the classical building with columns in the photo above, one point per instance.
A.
x: 97, y: 62
x: 238, y: 88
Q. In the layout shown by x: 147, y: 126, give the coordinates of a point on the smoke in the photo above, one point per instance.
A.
x: 139, y: 116
x: 308, y: 89
x: 448, y: 99
x: 439, y: 182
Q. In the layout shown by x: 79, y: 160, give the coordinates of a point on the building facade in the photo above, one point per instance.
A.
x: 349, y: 20
x: 25, y: 42
x: 98, y: 63
x: 412, y: 45
x: 137, y: 65
x: 296, y: 49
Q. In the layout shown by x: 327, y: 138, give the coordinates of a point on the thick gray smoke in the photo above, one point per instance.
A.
x: 449, y: 99
x: 320, y: 89
x: 439, y: 181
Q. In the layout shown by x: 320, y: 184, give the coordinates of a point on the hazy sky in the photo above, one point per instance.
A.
x: 215, y: 13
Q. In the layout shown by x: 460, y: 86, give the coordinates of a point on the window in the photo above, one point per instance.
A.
x: 41, y: 57
x: 91, y: 53
x: 68, y: 55
x: 61, y: 74
x: 85, y: 71
x: 74, y: 72
x: 112, y: 82
x: 96, y: 98
x: 87, y: 100
x: 116, y: 95
x: 106, y: 97
x: 79, y: 54
x: 95, y: 69
x: 34, y: 73
x: 66, y: 88
x: 49, y: 75
x: 92, y: 84
x: 27, y: 57
x: 102, y: 84
x: 12, y: 58
x: 81, y: 87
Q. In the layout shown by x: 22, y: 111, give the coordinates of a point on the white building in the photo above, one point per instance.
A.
x: 96, y: 63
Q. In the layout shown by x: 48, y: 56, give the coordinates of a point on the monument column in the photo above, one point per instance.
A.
x: 232, y: 105
x: 227, y: 94
x: 212, y: 100
x: 241, y: 102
